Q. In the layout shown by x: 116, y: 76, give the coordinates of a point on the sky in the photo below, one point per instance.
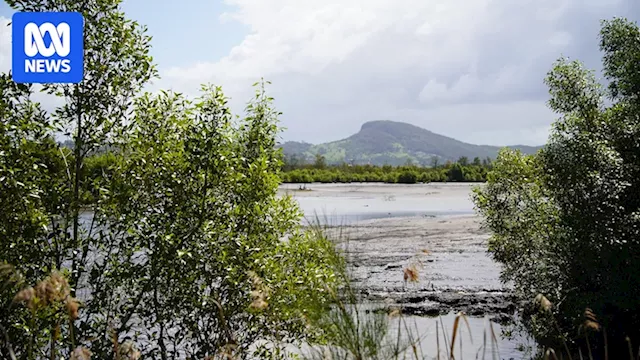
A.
x: 469, y: 69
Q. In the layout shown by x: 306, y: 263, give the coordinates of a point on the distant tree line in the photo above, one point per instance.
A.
x: 462, y: 170
x: 99, y: 165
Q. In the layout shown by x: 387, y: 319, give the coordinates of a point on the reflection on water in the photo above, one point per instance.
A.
x: 474, y: 344
x: 342, y: 204
x: 336, y: 219
x: 337, y: 205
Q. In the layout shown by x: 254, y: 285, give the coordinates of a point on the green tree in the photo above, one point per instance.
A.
x: 455, y: 173
x: 463, y: 160
x: 320, y: 162
x: 30, y: 164
x: 182, y: 249
x: 190, y: 174
x: 117, y: 65
x: 407, y: 177
x: 565, y: 221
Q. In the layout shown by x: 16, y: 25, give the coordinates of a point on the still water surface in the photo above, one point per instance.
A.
x: 347, y: 204
x: 343, y: 204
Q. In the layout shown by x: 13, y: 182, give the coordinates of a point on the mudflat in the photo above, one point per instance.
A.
x: 430, y: 229
x: 447, y: 257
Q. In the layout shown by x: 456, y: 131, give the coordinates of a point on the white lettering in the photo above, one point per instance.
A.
x: 53, y: 66
x: 43, y: 65
x: 29, y: 65
x: 66, y: 66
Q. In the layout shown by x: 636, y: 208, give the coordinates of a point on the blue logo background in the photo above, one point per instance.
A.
x: 49, y: 70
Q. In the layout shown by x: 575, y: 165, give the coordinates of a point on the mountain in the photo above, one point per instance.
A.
x: 389, y: 142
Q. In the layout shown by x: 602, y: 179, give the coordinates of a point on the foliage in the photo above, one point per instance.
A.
x: 565, y: 221
x: 295, y: 171
x: 47, y: 310
x: 163, y: 215
x: 207, y: 193
x: 394, y: 143
x: 28, y: 165
x: 408, y: 177
x: 405, y: 174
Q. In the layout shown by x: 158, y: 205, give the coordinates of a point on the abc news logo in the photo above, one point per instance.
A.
x: 34, y: 45
x: 48, y: 47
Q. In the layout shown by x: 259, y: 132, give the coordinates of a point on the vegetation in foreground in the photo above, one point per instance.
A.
x: 189, y: 252
x: 565, y: 221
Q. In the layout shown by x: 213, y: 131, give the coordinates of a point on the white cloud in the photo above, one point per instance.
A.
x: 5, y: 45
x: 451, y: 66
x: 49, y: 102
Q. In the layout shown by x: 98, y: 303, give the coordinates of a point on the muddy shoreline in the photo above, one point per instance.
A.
x: 454, y: 271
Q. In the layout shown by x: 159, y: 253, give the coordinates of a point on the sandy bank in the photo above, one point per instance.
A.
x: 449, y: 190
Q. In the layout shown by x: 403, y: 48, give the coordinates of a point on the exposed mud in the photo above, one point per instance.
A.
x: 388, y: 228
x: 448, y: 255
x: 342, y: 204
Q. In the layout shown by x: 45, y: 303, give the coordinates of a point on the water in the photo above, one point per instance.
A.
x: 477, y: 346
x: 342, y: 204
x: 454, y: 266
x: 353, y: 204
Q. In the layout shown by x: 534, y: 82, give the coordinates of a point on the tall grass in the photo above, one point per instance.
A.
x: 355, y: 332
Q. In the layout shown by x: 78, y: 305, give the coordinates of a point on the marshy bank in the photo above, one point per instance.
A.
x: 429, y: 228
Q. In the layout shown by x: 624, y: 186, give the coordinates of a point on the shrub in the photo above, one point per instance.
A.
x: 565, y: 221
x: 407, y: 177
x: 455, y: 173
x: 188, y: 250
